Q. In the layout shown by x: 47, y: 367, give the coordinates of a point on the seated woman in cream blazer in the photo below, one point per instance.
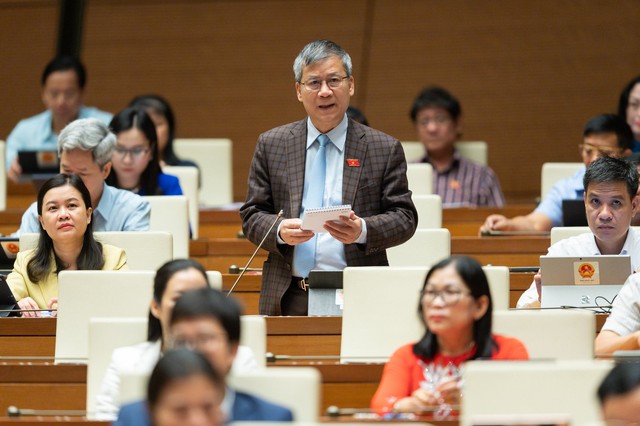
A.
x: 66, y: 243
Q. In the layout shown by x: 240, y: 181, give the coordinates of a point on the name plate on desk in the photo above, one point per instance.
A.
x: 325, y: 293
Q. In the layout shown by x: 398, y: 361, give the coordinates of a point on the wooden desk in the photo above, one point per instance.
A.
x: 47, y: 386
x: 466, y: 222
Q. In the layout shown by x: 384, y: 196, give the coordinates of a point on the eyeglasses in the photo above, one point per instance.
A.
x: 199, y: 342
x: 333, y: 83
x: 438, y: 119
x: 448, y: 295
x: 135, y: 153
x: 589, y: 150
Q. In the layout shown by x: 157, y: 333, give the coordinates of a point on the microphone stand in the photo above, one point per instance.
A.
x: 278, y: 216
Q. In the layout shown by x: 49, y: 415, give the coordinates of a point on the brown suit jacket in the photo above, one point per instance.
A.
x: 377, y: 191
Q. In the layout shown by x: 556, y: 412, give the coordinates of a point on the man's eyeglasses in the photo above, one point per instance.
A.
x: 200, y: 342
x: 316, y: 85
x: 589, y: 150
x: 438, y: 119
x: 448, y: 295
x: 135, y: 153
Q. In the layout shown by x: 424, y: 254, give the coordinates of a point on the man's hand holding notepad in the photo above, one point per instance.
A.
x: 314, y: 219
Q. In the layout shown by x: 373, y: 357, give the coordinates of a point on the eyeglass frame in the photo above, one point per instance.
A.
x: 201, y: 341
x: 338, y: 83
x: 597, y: 150
x: 135, y: 153
x: 434, y: 294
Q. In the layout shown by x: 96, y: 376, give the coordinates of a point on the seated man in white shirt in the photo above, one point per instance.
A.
x: 610, y: 202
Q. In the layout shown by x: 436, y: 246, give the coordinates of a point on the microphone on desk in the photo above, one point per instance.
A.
x: 278, y: 216
x: 13, y: 411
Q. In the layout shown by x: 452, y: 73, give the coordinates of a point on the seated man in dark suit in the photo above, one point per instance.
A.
x: 209, y: 322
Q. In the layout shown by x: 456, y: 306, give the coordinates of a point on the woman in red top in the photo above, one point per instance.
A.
x: 455, y: 305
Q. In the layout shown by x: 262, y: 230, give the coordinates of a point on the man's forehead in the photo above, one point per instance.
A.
x: 320, y: 67
x: 602, y: 139
x: 609, y: 189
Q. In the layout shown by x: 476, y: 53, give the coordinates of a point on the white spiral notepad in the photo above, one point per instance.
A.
x: 314, y: 218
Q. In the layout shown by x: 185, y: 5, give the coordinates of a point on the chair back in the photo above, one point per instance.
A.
x: 146, y: 251
x: 254, y: 336
x: 3, y: 177
x: 425, y: 248
x: 170, y: 213
x: 550, y: 334
x: 420, y: 178
x: 105, y: 335
x: 87, y: 294
x: 475, y: 151
x: 429, y: 209
x: 215, y: 279
x: 297, y: 388
x: 553, y: 172
x: 561, y: 232
x: 557, y: 388
x: 381, y: 308
x: 189, y: 178
x: 214, y: 158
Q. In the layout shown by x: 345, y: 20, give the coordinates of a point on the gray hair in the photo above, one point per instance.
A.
x: 317, y: 51
x: 88, y: 134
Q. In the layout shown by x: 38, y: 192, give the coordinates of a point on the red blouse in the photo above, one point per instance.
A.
x: 403, y: 372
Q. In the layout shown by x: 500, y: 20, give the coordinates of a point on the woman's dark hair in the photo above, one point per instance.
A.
x: 137, y: 118
x: 622, y: 379
x: 623, y: 103
x: 159, y: 105
x: 209, y: 303
x: 90, y: 257
x: 163, y: 275
x: 476, y: 281
x: 180, y: 364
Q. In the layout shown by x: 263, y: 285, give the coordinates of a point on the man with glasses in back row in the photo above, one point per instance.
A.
x: 605, y: 134
x: 324, y: 160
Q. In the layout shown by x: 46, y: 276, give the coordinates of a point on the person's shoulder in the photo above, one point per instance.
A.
x: 93, y: 112
x: 167, y: 179
x: 577, y: 245
x: 370, y: 134
x: 44, y: 116
x: 509, y: 348
x: 111, y: 251
x: 285, y: 130
x: 405, y: 352
x: 259, y: 408
x: 124, y: 196
x: 134, y: 413
x: 133, y: 357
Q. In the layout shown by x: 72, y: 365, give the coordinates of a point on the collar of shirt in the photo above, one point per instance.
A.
x: 105, y: 205
x: 626, y: 247
x: 455, y: 161
x: 227, y: 403
x: 338, y: 134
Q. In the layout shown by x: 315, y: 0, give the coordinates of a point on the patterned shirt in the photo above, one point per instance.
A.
x: 466, y: 184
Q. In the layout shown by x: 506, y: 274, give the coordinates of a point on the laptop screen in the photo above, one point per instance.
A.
x: 574, y: 213
x: 587, y: 282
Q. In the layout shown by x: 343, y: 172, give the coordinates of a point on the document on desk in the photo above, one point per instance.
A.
x: 314, y: 219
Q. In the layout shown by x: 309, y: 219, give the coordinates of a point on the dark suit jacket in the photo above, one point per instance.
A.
x: 245, y: 408
x: 376, y: 189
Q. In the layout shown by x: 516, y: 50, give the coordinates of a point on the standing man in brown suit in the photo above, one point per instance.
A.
x: 360, y: 166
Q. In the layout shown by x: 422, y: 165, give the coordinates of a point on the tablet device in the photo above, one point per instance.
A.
x: 574, y: 213
x: 9, y: 248
x: 39, y: 162
x: 7, y: 300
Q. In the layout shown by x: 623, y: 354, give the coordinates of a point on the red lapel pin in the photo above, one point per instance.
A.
x: 353, y: 162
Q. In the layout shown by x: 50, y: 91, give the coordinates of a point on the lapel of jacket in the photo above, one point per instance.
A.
x: 355, y: 149
x: 296, y: 154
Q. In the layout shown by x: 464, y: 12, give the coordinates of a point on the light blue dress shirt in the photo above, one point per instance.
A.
x: 571, y: 188
x: 36, y: 133
x: 329, y: 251
x: 118, y: 210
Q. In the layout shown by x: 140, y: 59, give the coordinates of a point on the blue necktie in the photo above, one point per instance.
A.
x: 313, y: 197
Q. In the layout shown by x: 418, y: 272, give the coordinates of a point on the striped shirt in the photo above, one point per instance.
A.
x: 466, y: 184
